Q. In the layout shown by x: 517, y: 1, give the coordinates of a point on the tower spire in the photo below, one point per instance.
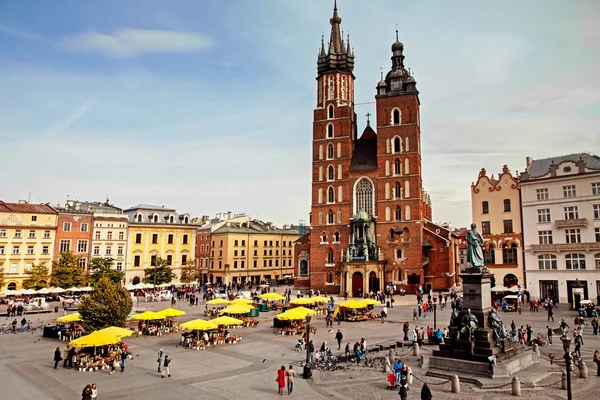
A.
x: 322, y: 54
x: 336, y: 46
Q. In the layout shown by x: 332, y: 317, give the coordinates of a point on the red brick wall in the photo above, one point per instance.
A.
x: 301, y: 246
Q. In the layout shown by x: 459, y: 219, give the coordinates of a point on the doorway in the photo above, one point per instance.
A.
x: 357, y: 284
x: 549, y: 289
x: 373, y: 282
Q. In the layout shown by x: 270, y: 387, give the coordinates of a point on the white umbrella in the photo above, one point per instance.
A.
x: 28, y: 291
x: 7, y: 292
x: 44, y: 291
x: 164, y: 285
x: 146, y: 286
x: 17, y: 292
x: 130, y: 286
x: 57, y: 290
x: 87, y: 289
x: 73, y: 289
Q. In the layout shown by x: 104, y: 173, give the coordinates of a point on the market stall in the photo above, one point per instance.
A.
x: 70, y: 330
x: 354, y: 311
x: 220, y: 303
x: 152, y: 323
x: 99, y: 350
x: 292, y: 322
x: 242, y: 312
x: 198, y: 338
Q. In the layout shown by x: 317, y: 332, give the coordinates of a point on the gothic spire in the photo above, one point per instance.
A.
x: 335, y: 40
x: 322, y: 54
x: 340, y: 55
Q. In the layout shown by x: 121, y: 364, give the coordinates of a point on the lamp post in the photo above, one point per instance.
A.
x: 307, y: 370
x: 566, y: 344
x: 434, y: 311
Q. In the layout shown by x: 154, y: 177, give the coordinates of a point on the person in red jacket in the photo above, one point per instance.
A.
x: 281, y: 379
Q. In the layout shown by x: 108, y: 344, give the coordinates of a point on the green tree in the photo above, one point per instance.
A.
x: 103, y: 267
x: 66, y: 272
x: 159, y: 272
x: 37, y: 277
x: 189, y: 272
x: 108, y: 305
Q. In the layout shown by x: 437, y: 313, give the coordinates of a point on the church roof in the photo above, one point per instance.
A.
x: 364, y: 157
x: 539, y: 168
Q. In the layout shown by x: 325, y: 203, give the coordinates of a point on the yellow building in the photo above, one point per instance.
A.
x: 496, y: 207
x: 156, y: 231
x: 252, y: 251
x: 27, y: 234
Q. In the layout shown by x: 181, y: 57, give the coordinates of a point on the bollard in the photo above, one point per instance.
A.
x: 387, y: 368
x: 516, y: 387
x: 563, y: 380
x: 392, y: 354
x: 416, y: 351
x: 536, y: 350
x: 455, y: 384
x: 409, y: 378
x: 583, y: 371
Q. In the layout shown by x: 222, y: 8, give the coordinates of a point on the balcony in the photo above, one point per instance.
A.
x: 565, y: 223
x: 565, y: 246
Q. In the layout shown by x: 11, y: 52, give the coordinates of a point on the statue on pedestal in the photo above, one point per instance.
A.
x: 500, y: 333
x: 469, y: 323
x: 474, y: 248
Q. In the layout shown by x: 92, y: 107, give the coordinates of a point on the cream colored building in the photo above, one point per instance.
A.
x: 496, y: 208
x: 27, y: 235
x: 252, y: 251
x: 561, y: 219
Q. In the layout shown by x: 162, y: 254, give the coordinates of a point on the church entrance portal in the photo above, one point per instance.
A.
x: 373, y: 282
x: 357, y: 284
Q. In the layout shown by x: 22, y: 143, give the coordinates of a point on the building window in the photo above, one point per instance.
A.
x: 508, y: 226
x: 235, y: 253
x: 571, y: 212
x: 254, y: 264
x: 2, y: 233
x: 596, y: 208
x: 330, y: 195
x: 542, y: 194
x: 330, y: 256
x: 330, y: 218
x: 596, y: 188
x: 13, y: 268
x: 330, y: 88
x: 336, y: 238
x: 323, y: 237
x: 45, y: 250
x: 109, y: 250
x: 569, y: 191
x: 119, y: 266
x: 29, y: 249
x: 330, y: 110
x: 120, y: 250
x: 65, y: 245
x: 138, y: 238
x: 235, y: 243
x: 96, y: 250
x: 330, y: 131
x: 82, y: 262
x: 397, y: 145
x: 597, y: 232
x: 169, y: 259
x: 485, y: 207
x: 1, y: 250
x: 67, y: 227
x: 330, y: 173
x: 46, y: 234
x: 136, y: 261
x: 543, y: 215
x: 330, y: 277
x: 489, y: 255
x: 330, y: 151
x: 83, y: 227
x: 545, y: 237
x: 575, y: 261
x: 509, y: 254
x: 392, y: 235
x: 573, y: 235
x: 396, y: 117
x: 303, y: 270
x: 486, y: 227
x: 34, y: 217
x: 507, y: 206
x: 398, y: 213
x: 109, y: 235
x: 31, y: 235
x: 170, y: 238
x: 185, y: 238
x: 547, y: 261
x: 97, y: 235
x: 17, y: 234
x: 82, y: 246
x: 256, y: 243
x: 121, y: 236
x: 155, y: 238
x: 398, y: 191
x: 398, y: 254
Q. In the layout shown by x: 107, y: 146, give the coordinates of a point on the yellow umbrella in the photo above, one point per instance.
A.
x: 148, y: 316
x: 370, y: 302
x: 290, y: 315
x: 353, y: 304
x: 199, y: 325
x: 94, y: 339
x: 303, y: 301
x: 320, y: 299
x: 116, y: 331
x: 225, y: 320
x: 303, y: 310
x: 171, y: 312
x: 236, y: 309
x: 242, y: 302
x: 217, y: 301
x: 271, y: 296
x: 74, y: 317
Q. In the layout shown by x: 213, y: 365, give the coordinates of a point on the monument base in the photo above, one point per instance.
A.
x: 503, y: 369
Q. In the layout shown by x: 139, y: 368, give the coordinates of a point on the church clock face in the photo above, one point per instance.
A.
x: 395, y: 85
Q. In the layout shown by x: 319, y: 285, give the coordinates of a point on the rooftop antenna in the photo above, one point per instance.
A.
x: 29, y: 198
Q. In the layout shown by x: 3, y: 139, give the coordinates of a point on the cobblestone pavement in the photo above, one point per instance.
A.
x: 248, y: 369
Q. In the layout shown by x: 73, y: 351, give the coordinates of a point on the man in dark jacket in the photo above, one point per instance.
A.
x: 425, y: 392
x: 339, y: 337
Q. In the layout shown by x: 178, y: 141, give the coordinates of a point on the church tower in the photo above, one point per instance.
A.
x: 334, y: 132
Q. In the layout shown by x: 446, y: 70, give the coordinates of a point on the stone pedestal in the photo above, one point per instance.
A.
x: 477, y: 293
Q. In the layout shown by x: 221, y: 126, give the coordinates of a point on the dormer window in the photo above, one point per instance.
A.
x: 139, y: 218
x: 155, y: 218
x: 171, y: 219
x: 186, y: 220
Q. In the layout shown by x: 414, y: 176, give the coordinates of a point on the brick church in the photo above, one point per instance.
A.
x: 370, y: 217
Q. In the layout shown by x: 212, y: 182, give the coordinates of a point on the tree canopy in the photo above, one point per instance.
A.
x: 66, y: 272
x: 103, y: 267
x: 189, y: 272
x: 108, y: 304
x: 161, y: 270
x: 37, y: 277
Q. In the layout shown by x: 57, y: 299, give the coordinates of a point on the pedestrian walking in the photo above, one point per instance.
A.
x: 165, y: 368
x: 159, y: 359
x: 403, y: 392
x: 597, y: 361
x: 426, y: 392
x: 23, y: 323
x: 549, y: 330
x: 550, y: 313
x: 415, y: 315
x: 595, y: 325
x: 65, y: 356
x: 86, y: 394
x: 94, y: 391
x: 339, y: 337
x: 57, y: 357
x: 405, y: 328
x: 280, y: 379
x: 123, y: 358
x: 291, y: 374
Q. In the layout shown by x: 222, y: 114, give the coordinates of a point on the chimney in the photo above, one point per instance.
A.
x: 22, y: 201
x: 228, y: 214
x: 581, y: 166
x: 553, y: 169
x: 528, y: 161
x: 77, y: 206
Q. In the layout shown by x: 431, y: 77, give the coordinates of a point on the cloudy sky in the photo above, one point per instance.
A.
x: 206, y: 106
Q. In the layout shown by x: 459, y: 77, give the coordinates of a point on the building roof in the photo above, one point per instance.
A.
x: 149, y: 207
x: 255, y: 227
x: 27, y: 208
x: 539, y: 168
x: 147, y: 212
x: 364, y: 157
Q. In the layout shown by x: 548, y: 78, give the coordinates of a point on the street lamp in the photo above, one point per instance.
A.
x: 566, y: 344
x: 434, y: 311
x: 307, y: 370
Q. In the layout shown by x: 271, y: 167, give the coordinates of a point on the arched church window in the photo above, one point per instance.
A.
x: 330, y: 217
x: 320, y: 217
x: 398, y: 191
x: 363, y: 196
x: 397, y: 145
x: 396, y: 117
x: 398, y: 213
x: 330, y: 151
x: 339, y: 216
x: 392, y: 235
x: 330, y: 111
x: 344, y: 89
x: 397, y: 167
x: 336, y: 237
x: 330, y: 278
x: 323, y: 237
x: 330, y: 256
x: 303, y: 267
x: 331, y: 88
x: 329, y: 131
x: 330, y: 195
x: 330, y: 173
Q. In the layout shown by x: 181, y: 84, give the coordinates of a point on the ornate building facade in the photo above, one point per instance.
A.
x: 370, y: 216
x: 496, y: 207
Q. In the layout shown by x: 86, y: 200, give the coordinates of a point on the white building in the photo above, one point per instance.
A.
x: 561, y: 225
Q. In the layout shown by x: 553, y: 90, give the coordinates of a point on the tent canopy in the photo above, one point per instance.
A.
x: 199, y: 325
x: 148, y: 316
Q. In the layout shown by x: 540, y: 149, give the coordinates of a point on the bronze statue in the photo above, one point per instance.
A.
x: 474, y: 248
x: 469, y: 323
x: 500, y: 333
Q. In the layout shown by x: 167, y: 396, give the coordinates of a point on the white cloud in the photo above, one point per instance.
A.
x: 136, y: 42
x: 20, y: 33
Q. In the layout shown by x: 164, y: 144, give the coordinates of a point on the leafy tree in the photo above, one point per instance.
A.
x: 103, y: 267
x: 66, y: 272
x: 38, y: 277
x: 160, y: 272
x: 108, y: 305
x: 189, y: 272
